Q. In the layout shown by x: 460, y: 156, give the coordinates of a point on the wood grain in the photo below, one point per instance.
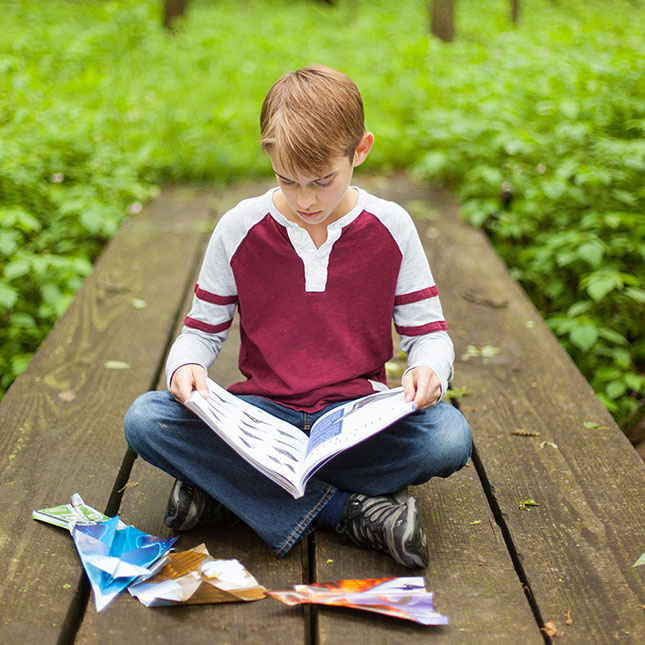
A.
x: 470, y: 571
x: 62, y: 432
x: 62, y: 419
x: 576, y: 549
x: 254, y: 622
x: 144, y: 504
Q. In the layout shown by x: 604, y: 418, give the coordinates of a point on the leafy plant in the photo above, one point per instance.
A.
x: 539, y: 128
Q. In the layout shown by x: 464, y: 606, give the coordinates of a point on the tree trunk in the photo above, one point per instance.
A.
x: 443, y: 23
x: 173, y: 9
x: 515, y: 11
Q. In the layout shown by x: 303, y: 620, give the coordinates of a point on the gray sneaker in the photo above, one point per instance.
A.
x: 187, y: 506
x: 389, y: 523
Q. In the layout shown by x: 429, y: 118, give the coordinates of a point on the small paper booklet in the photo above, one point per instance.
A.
x: 283, y: 452
x: 68, y: 515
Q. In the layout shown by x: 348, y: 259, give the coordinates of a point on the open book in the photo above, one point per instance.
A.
x: 283, y: 452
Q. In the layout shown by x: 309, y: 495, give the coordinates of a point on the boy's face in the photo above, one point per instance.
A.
x: 316, y: 201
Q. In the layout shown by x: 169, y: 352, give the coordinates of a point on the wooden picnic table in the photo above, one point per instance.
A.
x: 500, y: 570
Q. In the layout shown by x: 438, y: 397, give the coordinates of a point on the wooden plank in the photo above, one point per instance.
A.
x: 470, y: 570
x: 143, y: 505
x: 264, y: 621
x: 576, y: 549
x: 62, y: 419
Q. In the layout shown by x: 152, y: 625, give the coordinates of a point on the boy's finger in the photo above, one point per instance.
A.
x: 409, y: 388
x: 200, y: 382
x: 422, y: 393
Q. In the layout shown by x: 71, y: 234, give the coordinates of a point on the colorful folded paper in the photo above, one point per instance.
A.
x: 194, y: 577
x: 68, y: 515
x: 404, y: 597
x: 114, y: 558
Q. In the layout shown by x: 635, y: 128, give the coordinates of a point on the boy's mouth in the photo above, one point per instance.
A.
x: 306, y: 215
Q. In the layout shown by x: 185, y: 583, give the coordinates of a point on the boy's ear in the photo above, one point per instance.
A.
x: 363, y: 148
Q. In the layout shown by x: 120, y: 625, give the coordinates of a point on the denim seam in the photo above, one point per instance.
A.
x: 288, y: 543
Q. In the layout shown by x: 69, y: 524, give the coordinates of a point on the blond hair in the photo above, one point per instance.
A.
x: 311, y: 116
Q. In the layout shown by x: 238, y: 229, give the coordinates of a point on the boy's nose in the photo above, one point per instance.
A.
x: 306, y: 200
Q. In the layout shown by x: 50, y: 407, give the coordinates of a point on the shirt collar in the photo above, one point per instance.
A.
x: 346, y: 219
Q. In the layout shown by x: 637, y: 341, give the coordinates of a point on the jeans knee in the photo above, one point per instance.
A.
x: 449, y: 444
x: 138, y: 420
x: 459, y: 443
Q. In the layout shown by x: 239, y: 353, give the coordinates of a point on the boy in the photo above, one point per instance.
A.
x: 317, y: 269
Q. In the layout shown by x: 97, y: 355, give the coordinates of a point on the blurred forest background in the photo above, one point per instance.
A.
x: 536, y: 123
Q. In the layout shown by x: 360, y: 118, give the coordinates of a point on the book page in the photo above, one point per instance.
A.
x: 271, y: 444
x: 349, y: 424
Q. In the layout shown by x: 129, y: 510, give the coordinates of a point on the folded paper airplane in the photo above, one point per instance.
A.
x: 404, y: 597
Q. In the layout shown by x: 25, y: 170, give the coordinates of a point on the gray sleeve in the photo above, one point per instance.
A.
x: 207, y: 323
x: 418, y: 315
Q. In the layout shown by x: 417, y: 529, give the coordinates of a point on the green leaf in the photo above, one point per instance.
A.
x: 91, y: 220
x: 613, y: 220
x: 598, y: 286
x: 624, y: 196
x: 592, y: 425
x: 8, y: 296
x: 138, y: 303
x: 610, y: 404
x: 17, y: 269
x: 640, y: 562
x: 634, y: 381
x: 579, y: 308
x: 591, y: 252
x: 569, y: 107
x: 554, y: 189
x: 19, y: 363
x: 50, y: 293
x: 615, y: 389
x: 488, y: 351
x: 434, y: 162
x: 20, y: 219
x: 566, y: 257
x: 635, y: 294
x: 584, y: 336
x: 116, y: 365
x: 9, y: 242
x: 612, y: 336
x: 621, y: 357
x: 24, y: 320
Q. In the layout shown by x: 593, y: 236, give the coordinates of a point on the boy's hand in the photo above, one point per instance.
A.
x: 186, y: 379
x: 422, y: 386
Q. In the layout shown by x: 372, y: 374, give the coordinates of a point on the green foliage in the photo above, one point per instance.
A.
x: 547, y: 150
x: 99, y: 106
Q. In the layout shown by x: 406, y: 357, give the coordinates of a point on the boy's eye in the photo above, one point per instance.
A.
x: 321, y: 184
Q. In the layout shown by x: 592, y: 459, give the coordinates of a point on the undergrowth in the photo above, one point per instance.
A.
x: 538, y: 128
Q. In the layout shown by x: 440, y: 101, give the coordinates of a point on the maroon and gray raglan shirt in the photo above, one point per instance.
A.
x: 315, y: 323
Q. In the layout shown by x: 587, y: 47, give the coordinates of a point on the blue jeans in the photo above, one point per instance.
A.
x: 431, y: 442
